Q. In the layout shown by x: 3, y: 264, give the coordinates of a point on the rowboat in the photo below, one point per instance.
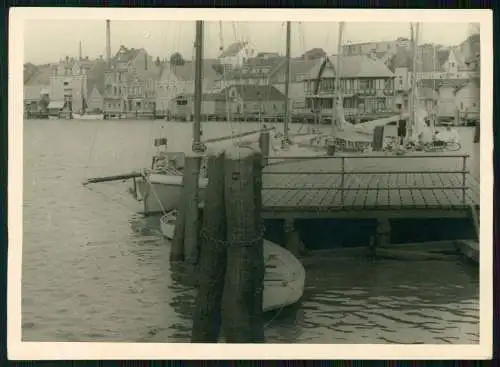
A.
x: 284, y: 276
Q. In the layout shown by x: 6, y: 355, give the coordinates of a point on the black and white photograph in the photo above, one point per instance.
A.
x: 295, y: 185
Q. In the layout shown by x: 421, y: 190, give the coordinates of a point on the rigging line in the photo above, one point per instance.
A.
x: 236, y: 37
x: 225, y: 85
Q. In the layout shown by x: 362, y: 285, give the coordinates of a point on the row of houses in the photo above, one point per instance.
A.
x: 242, y: 81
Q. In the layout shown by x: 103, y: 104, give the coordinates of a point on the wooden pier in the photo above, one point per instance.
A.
x: 416, y: 185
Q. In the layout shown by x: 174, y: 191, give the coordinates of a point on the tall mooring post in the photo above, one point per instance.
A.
x: 186, y: 234
x: 212, y: 270
x: 231, y: 273
x: 265, y: 145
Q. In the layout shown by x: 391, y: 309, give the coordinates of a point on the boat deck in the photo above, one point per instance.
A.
x: 416, y: 185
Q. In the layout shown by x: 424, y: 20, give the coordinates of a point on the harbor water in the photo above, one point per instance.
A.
x: 95, y: 270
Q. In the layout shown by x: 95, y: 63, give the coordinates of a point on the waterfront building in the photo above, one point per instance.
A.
x: 380, y: 47
x: 36, y: 87
x: 268, y: 69
x: 235, y: 102
x: 130, y: 83
x: 176, y: 81
x: 367, y: 86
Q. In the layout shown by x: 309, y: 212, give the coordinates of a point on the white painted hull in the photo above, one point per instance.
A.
x: 162, y: 192
x: 284, y: 277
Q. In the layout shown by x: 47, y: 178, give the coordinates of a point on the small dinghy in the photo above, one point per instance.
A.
x: 284, y: 275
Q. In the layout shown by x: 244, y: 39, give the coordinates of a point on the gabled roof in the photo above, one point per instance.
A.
x: 255, y: 67
x: 257, y: 93
x: 186, y: 72
x: 428, y: 59
x: 233, y: 49
x: 361, y: 66
x: 125, y: 54
x: 299, y: 68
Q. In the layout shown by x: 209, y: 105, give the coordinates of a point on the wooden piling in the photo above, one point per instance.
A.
x: 186, y: 234
x: 476, y: 133
x: 192, y: 167
x: 212, y: 266
x: 292, y: 239
x: 243, y: 290
x: 383, y: 236
x: 265, y: 145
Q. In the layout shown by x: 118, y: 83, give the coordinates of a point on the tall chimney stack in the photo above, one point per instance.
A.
x: 80, y: 51
x: 108, y: 43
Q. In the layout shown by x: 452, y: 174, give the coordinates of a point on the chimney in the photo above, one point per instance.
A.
x: 80, y: 51
x: 108, y: 43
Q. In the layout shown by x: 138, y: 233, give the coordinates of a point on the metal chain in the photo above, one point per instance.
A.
x: 209, y: 237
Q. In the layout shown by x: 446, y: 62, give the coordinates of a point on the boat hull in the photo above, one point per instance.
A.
x: 284, y: 278
x: 161, y: 193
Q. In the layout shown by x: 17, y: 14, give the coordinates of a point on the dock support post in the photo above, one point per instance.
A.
x: 212, y: 270
x: 264, y: 145
x: 476, y: 133
x: 383, y: 237
x: 244, y: 283
x: 292, y: 238
x: 185, y: 241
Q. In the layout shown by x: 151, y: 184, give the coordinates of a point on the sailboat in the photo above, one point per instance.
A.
x: 160, y: 186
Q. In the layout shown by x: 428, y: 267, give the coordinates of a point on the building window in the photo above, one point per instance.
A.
x: 365, y: 84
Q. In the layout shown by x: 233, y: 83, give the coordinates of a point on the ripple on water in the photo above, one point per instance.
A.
x: 94, y: 270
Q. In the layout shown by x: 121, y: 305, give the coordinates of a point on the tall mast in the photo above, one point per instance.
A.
x: 415, y: 84
x: 198, y: 82
x: 108, y: 43
x: 287, y: 80
x: 338, y: 94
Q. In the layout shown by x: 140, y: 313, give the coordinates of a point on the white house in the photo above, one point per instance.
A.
x: 236, y: 55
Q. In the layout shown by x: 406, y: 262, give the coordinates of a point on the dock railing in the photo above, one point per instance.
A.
x: 343, y: 172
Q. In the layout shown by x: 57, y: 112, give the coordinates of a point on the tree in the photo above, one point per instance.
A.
x: 176, y: 59
x: 44, y: 101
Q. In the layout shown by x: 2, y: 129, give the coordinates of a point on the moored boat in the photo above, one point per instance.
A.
x: 284, y: 276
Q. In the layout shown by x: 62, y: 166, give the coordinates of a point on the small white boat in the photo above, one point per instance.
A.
x: 284, y: 276
x: 77, y: 116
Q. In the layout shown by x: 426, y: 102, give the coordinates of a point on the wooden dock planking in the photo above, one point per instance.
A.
x: 300, y: 195
x: 429, y: 199
x: 370, y: 197
x: 453, y: 197
x: 395, y: 182
x: 383, y: 193
x: 351, y: 181
x: 437, y: 194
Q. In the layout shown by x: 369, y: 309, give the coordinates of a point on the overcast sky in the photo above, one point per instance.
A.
x: 50, y: 40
